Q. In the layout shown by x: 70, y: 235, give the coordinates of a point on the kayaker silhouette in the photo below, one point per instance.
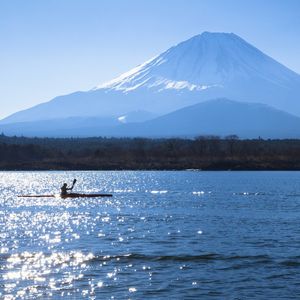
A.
x: 64, y: 193
x: 64, y: 189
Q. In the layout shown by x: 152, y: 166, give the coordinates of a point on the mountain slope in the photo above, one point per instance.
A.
x: 207, y: 66
x: 220, y: 117
x: 205, y: 61
x: 215, y: 117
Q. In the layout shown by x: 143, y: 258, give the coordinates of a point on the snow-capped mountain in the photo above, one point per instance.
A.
x: 204, y: 62
x: 207, y: 66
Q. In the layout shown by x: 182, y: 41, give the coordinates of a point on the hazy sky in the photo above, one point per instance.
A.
x: 54, y: 47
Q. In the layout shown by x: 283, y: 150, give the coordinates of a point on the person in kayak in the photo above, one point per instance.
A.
x: 64, y: 189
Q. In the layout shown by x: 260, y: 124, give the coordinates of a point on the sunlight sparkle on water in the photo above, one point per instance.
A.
x: 163, y: 234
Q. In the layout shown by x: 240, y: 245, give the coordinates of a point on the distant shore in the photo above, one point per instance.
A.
x: 201, y: 153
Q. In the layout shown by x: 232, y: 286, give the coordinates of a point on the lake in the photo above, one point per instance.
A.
x: 163, y: 235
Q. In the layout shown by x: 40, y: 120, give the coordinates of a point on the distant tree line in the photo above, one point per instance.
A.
x: 203, y: 152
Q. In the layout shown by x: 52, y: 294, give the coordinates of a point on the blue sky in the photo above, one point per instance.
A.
x: 54, y: 47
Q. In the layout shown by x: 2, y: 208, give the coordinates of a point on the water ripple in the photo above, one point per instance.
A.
x: 164, y: 235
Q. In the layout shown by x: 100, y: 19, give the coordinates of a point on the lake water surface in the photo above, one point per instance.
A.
x: 163, y: 235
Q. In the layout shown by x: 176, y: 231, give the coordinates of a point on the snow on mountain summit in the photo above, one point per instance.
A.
x: 204, y: 61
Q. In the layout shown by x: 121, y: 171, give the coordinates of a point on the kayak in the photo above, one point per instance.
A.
x: 37, y: 196
x: 75, y: 195
x: 71, y: 195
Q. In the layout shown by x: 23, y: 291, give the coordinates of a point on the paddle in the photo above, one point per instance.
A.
x: 74, y: 181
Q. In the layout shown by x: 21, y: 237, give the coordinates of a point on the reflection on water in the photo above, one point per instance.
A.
x: 217, y: 235
x: 34, y: 270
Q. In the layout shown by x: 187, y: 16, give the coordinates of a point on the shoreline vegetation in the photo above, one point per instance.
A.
x: 200, y: 153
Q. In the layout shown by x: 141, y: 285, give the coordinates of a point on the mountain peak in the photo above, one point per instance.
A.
x: 210, y: 34
x: 210, y: 59
x: 207, y: 66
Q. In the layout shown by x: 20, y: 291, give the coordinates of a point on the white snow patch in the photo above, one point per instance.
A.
x: 122, y: 119
x: 179, y: 85
x: 125, y: 77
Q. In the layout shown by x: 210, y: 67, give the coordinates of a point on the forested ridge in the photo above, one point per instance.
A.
x: 206, y: 153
